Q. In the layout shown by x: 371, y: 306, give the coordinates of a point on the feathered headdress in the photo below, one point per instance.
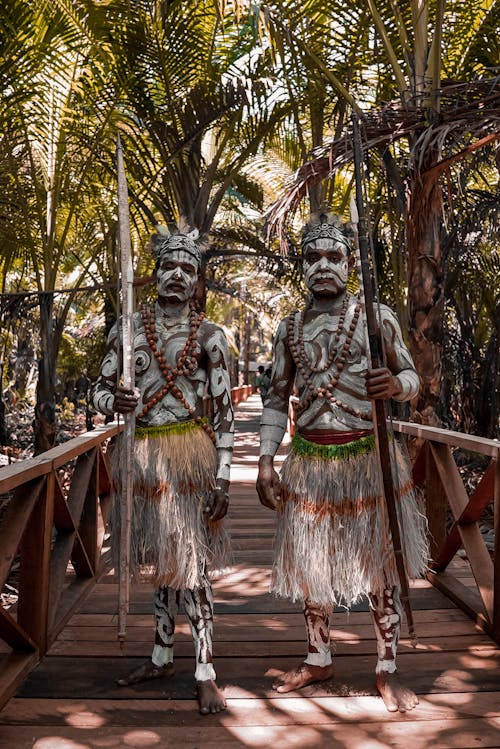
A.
x: 327, y: 226
x: 178, y: 237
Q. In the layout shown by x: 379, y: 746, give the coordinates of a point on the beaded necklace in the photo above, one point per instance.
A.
x: 307, y: 369
x: 186, y: 364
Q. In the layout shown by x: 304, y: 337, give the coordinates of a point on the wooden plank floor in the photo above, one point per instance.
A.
x: 70, y: 700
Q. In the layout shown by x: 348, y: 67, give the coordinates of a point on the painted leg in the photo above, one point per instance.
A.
x: 387, y: 613
x: 318, y: 664
x: 166, y: 606
x: 200, y: 612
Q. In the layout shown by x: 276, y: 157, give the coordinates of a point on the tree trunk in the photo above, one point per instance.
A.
x: 425, y: 293
x: 44, y: 424
x: 4, y: 436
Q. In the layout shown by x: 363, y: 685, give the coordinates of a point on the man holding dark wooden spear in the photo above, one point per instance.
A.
x: 333, y: 541
x: 181, y: 461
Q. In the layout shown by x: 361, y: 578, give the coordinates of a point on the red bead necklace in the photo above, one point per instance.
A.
x: 186, y: 363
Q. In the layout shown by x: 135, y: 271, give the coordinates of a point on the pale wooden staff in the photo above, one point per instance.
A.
x: 127, y: 439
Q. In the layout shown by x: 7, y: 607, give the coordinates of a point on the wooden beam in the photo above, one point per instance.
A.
x: 14, y: 635
x: 479, y: 499
x: 14, y: 522
x: 435, y: 503
x: 32, y: 607
x: 13, y: 670
x: 23, y: 471
x: 87, y: 528
x: 418, y: 471
x: 61, y: 554
x: 465, y: 598
x: 105, y: 479
x: 63, y: 520
x: 82, y: 474
x: 83, y: 565
x: 70, y: 599
x: 83, y: 443
x: 480, y: 561
x: 447, y: 437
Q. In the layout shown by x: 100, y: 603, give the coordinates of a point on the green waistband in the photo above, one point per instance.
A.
x: 165, y: 430
x: 301, y: 446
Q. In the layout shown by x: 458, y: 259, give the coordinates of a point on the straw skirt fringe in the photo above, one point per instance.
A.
x: 172, y: 540
x: 333, y: 543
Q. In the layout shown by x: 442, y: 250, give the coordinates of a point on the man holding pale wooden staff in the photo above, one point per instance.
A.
x: 181, y: 461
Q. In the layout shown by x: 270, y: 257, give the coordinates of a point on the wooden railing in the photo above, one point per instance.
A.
x: 436, y: 472
x: 51, y: 543
x: 52, y: 532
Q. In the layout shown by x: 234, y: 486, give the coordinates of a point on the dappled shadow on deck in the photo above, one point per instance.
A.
x: 71, y: 701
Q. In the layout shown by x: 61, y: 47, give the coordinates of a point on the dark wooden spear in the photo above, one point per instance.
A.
x: 127, y: 439
x: 380, y: 417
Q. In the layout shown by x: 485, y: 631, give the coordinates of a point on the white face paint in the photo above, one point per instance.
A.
x: 176, y: 276
x: 326, y: 267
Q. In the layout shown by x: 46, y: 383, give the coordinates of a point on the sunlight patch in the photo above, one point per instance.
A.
x: 58, y: 742
x: 141, y: 738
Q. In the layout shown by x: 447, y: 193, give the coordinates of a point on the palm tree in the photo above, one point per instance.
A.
x: 419, y: 56
x: 197, y: 90
x: 56, y: 120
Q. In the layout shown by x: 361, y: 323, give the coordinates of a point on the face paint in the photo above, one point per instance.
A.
x: 326, y: 267
x: 176, y: 276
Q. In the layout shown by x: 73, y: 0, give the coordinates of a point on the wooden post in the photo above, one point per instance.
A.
x: 34, y: 578
x: 435, y: 505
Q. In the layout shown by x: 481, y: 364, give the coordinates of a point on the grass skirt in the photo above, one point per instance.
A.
x: 333, y: 543
x: 172, y: 540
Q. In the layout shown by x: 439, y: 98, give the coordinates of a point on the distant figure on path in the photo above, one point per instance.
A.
x: 262, y: 382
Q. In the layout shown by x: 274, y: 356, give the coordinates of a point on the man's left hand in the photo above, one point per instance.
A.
x: 217, y: 504
x: 382, y: 384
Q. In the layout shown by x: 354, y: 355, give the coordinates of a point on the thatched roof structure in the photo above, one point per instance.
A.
x: 468, y: 119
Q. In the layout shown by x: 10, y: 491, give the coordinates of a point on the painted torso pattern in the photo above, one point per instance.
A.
x: 207, y: 364
x: 345, y: 407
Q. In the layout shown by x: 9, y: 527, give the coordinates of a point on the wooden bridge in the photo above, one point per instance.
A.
x: 60, y: 653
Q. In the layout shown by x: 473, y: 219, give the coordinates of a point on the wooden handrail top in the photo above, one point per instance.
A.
x: 23, y: 471
x: 470, y: 442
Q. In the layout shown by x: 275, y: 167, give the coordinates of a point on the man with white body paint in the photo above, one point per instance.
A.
x: 181, y: 461
x: 333, y: 544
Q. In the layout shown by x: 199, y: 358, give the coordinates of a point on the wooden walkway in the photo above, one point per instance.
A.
x: 70, y: 700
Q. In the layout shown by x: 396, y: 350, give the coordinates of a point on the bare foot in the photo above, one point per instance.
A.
x: 395, y: 695
x: 145, y: 672
x: 302, y: 676
x: 210, y: 697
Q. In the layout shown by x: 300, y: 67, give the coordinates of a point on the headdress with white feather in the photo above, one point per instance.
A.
x: 180, y: 238
x: 327, y: 226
